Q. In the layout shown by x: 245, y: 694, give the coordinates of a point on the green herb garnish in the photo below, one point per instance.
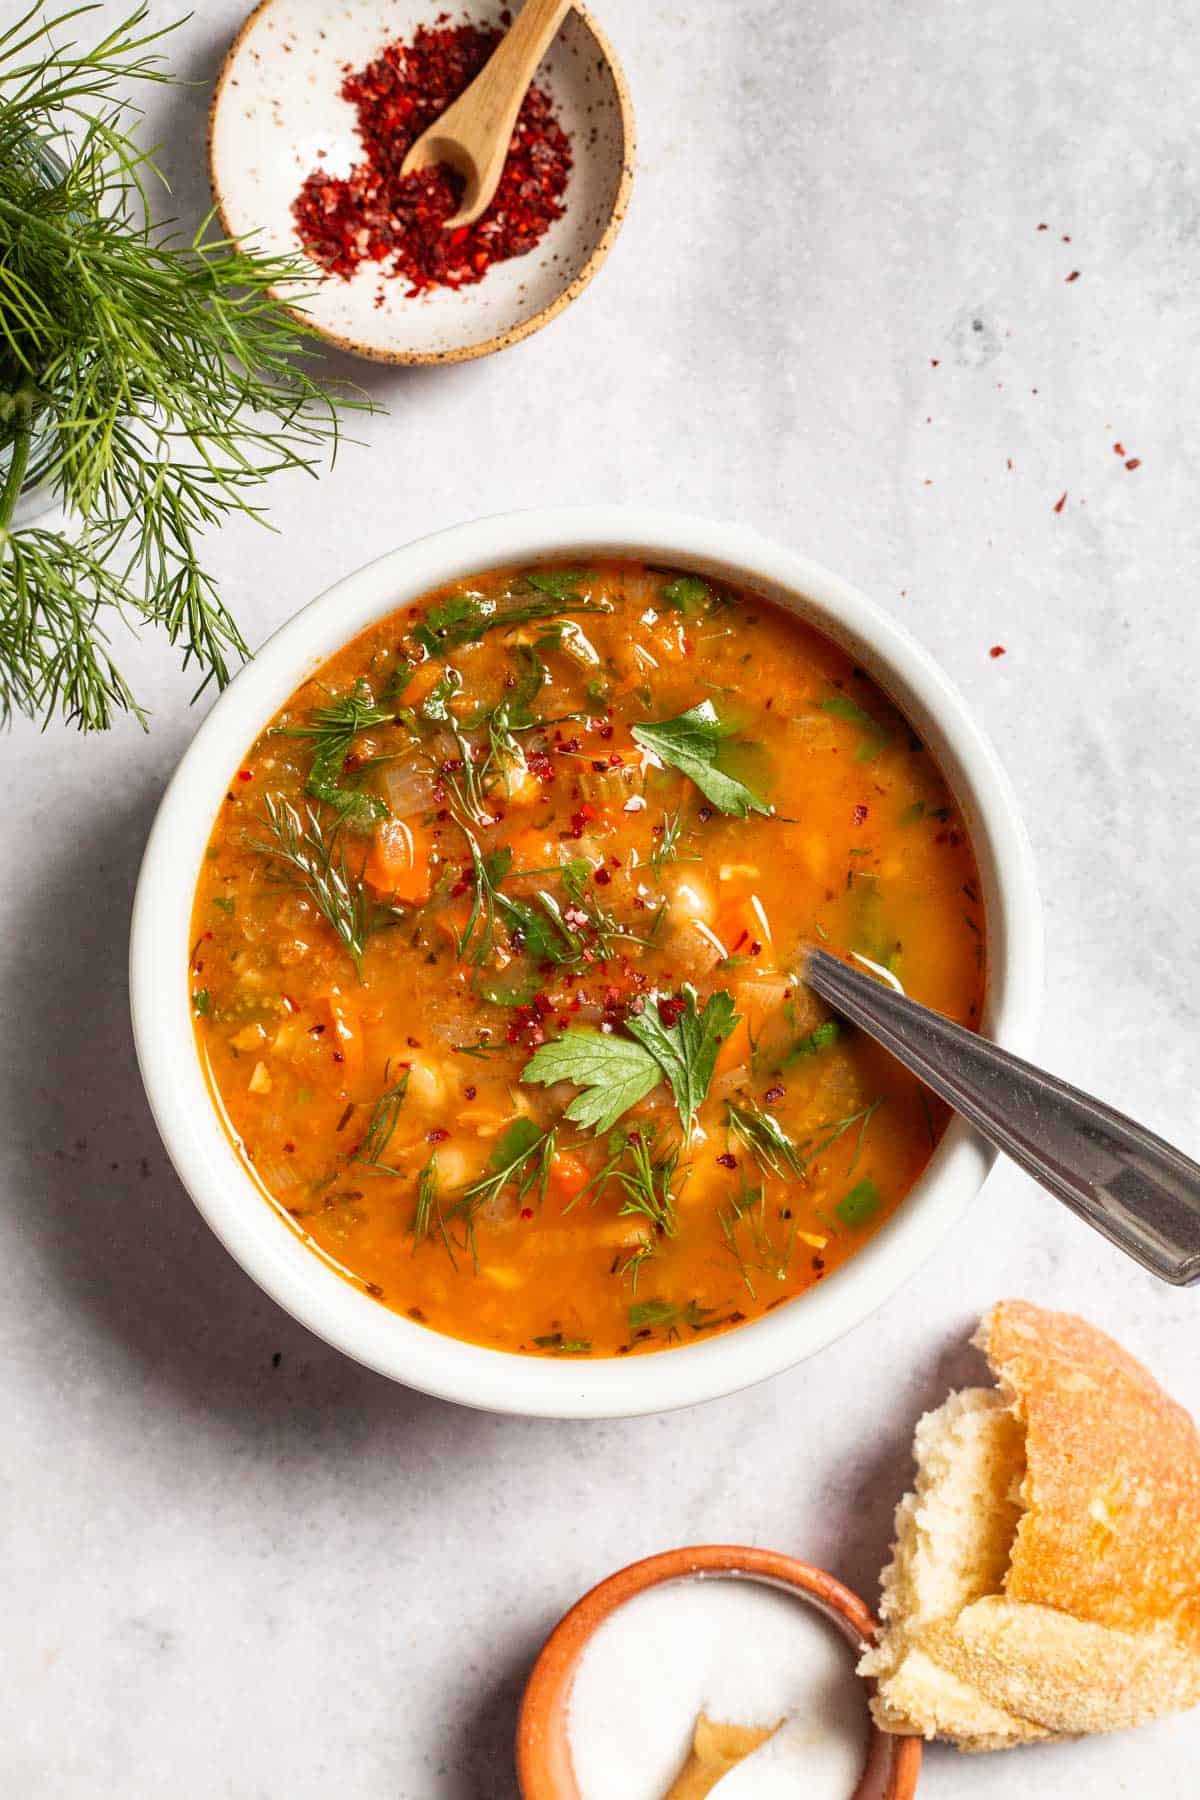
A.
x: 615, y: 1072
x: 385, y: 1114
x: 876, y: 737
x: 465, y: 618
x: 818, y: 1039
x: 332, y: 730
x: 690, y: 743
x: 612, y: 1072
x: 307, y: 856
x: 765, y: 1139
x: 687, y: 594
x: 667, y: 1312
x: 564, y: 1346
x: 521, y: 1160
x: 860, y: 1204
x: 201, y: 1003
x: 646, y: 1184
x: 153, y: 383
x: 686, y: 1050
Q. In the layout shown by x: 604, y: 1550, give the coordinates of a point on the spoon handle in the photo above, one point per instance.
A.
x: 1143, y: 1194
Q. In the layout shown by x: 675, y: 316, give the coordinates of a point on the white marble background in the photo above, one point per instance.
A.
x: 234, y: 1563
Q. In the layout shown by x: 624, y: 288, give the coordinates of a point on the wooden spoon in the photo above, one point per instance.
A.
x: 473, y: 134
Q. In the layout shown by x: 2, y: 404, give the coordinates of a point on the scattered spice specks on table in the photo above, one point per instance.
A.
x: 997, y: 650
x: 1061, y: 501
x: 377, y: 215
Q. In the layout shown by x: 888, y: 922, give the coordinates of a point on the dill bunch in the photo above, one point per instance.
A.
x: 152, y: 381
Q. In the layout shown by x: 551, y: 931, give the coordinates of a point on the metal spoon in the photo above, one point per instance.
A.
x: 1139, y: 1191
x: 473, y: 134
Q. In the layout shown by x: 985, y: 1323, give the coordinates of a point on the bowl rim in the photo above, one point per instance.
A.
x: 542, y: 1741
x: 270, y: 1249
x: 500, y: 340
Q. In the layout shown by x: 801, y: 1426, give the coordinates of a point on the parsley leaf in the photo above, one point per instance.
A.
x: 668, y: 1312
x: 464, y: 618
x: 333, y: 729
x: 613, y: 1074
x: 561, y: 583
x: 860, y: 1204
x: 818, y: 1039
x: 687, y: 594
x: 616, y: 1073
x: 690, y: 743
x: 687, y: 1050
x: 876, y: 737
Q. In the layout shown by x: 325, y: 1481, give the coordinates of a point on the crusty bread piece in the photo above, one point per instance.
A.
x: 1045, y: 1579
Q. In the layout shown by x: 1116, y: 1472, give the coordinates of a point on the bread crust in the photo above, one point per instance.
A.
x: 1094, y: 1624
x: 1110, y: 1528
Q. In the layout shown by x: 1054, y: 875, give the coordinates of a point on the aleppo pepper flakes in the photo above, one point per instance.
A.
x: 374, y: 215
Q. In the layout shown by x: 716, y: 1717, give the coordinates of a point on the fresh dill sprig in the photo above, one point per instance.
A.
x: 332, y: 730
x: 521, y: 1161
x: 766, y: 1140
x: 666, y: 844
x: 385, y: 1115
x: 427, y: 1205
x: 646, y: 1184
x: 745, y: 1218
x: 153, y: 382
x: 307, y: 856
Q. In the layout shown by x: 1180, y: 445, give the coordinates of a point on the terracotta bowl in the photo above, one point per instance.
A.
x: 543, y: 1751
x: 277, y: 114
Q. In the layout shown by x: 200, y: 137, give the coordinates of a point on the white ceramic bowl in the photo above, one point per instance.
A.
x: 277, y: 114
x: 226, y: 1193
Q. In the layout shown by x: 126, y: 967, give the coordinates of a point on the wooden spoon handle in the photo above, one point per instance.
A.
x: 501, y: 85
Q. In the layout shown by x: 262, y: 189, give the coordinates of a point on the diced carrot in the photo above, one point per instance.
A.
x: 568, y: 1174
x: 398, y: 862
x: 743, y: 923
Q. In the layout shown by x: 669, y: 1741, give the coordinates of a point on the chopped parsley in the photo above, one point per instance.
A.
x: 690, y: 743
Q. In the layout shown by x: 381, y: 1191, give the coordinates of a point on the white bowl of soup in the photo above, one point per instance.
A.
x: 466, y: 946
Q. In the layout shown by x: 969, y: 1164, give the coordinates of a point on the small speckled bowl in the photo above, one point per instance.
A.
x: 277, y: 114
x: 543, y: 1746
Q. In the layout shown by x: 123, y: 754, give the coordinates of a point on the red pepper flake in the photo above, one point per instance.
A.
x: 774, y: 1093
x: 670, y: 1009
x: 602, y: 877
x: 1074, y: 275
x: 289, y: 1149
x: 437, y: 1135
x: 375, y: 214
x: 1043, y: 228
x: 245, y: 774
x: 470, y: 1091
x: 997, y: 650
x: 727, y: 1160
x: 934, y: 362
x: 1061, y: 501
x: 1118, y: 449
x: 539, y: 765
x: 1134, y: 462
x: 860, y: 815
x: 527, y: 1212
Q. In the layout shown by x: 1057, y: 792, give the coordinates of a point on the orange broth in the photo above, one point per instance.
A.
x: 450, y: 883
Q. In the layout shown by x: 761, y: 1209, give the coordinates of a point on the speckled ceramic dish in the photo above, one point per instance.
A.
x: 277, y: 114
x: 543, y: 1748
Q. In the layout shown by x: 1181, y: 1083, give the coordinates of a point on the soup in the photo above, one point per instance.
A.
x: 496, y: 951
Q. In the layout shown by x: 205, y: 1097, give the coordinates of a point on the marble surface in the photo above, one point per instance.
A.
x: 238, y: 1565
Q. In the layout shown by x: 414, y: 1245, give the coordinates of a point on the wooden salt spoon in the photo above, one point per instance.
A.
x: 472, y: 136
